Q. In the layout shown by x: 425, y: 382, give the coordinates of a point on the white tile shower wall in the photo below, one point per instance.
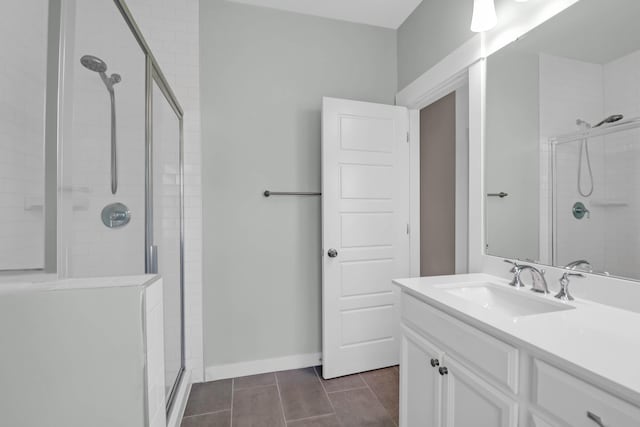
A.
x: 171, y: 27
x: 23, y: 59
x: 622, y: 86
x: 569, y: 90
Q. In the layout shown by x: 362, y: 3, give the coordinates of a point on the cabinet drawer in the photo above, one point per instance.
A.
x: 571, y: 399
x: 486, y: 354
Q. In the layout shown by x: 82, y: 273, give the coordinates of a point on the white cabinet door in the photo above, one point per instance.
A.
x: 471, y: 402
x: 420, y: 382
x: 536, y: 420
x: 577, y: 403
x: 365, y: 212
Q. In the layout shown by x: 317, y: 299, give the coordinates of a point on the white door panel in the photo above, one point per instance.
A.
x: 361, y: 133
x: 365, y: 212
x: 365, y: 277
x: 366, y: 182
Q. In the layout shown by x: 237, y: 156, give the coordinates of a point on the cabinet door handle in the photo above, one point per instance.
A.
x: 443, y: 370
x: 435, y: 362
x: 596, y: 419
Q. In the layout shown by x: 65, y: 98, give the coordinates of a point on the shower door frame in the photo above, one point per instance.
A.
x: 154, y: 75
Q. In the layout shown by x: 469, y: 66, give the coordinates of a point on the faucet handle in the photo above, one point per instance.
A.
x: 516, y: 267
x: 564, y: 294
x: 516, y: 270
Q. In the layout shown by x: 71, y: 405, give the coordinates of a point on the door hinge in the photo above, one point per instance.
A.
x: 408, y: 229
x: 408, y: 137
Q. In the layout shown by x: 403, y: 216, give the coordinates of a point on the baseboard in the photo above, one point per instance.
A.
x: 175, y: 417
x: 242, y: 369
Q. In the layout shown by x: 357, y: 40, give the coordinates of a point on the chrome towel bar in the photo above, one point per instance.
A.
x: 268, y: 193
x: 502, y: 194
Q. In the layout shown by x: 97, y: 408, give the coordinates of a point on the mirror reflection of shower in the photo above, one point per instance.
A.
x: 584, y: 151
x: 96, y: 64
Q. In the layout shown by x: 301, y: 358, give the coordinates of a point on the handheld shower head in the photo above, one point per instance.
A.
x: 611, y: 119
x: 93, y: 63
x: 96, y: 64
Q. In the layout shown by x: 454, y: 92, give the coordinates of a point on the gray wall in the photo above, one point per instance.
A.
x: 430, y: 33
x: 513, y: 154
x: 263, y: 74
x: 435, y: 29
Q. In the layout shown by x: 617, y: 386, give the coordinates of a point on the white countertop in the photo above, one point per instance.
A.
x: 600, y: 341
x: 76, y: 283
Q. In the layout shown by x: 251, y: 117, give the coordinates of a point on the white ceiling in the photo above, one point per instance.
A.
x: 382, y: 13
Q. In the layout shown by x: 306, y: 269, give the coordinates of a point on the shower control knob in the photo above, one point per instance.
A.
x: 443, y: 370
x: 435, y: 362
x: 332, y: 253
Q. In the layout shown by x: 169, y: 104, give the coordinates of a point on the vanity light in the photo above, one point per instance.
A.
x: 484, y: 16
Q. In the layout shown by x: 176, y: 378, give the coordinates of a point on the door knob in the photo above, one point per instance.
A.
x: 443, y: 370
x: 332, y: 253
x: 435, y: 362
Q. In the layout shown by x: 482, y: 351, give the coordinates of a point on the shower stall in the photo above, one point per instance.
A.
x: 595, y: 199
x: 93, y: 152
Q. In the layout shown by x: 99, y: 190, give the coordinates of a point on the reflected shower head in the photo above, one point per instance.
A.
x: 611, y: 119
x: 93, y: 63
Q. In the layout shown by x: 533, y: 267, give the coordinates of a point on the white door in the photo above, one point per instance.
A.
x: 365, y: 217
x: 420, y: 382
x: 470, y: 402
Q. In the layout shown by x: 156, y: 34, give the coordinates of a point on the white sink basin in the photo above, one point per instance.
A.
x: 505, y: 301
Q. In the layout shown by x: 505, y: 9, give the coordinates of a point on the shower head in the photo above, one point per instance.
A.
x: 96, y: 64
x: 611, y: 119
x: 93, y: 63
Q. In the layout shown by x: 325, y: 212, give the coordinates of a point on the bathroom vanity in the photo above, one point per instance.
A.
x: 83, y: 352
x: 478, y: 352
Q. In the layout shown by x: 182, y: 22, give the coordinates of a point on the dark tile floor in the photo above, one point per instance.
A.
x: 297, y: 398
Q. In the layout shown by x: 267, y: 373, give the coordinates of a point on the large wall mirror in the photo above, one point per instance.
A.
x: 563, y: 141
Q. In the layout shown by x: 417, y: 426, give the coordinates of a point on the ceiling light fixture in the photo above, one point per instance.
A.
x: 484, y: 16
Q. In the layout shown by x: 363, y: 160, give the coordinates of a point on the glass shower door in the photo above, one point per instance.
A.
x: 167, y: 232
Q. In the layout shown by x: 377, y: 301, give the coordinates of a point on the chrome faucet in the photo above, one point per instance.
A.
x: 539, y: 282
x: 564, y: 294
x: 581, y: 264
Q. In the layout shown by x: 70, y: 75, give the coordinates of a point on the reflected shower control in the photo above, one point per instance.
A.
x: 580, y: 210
